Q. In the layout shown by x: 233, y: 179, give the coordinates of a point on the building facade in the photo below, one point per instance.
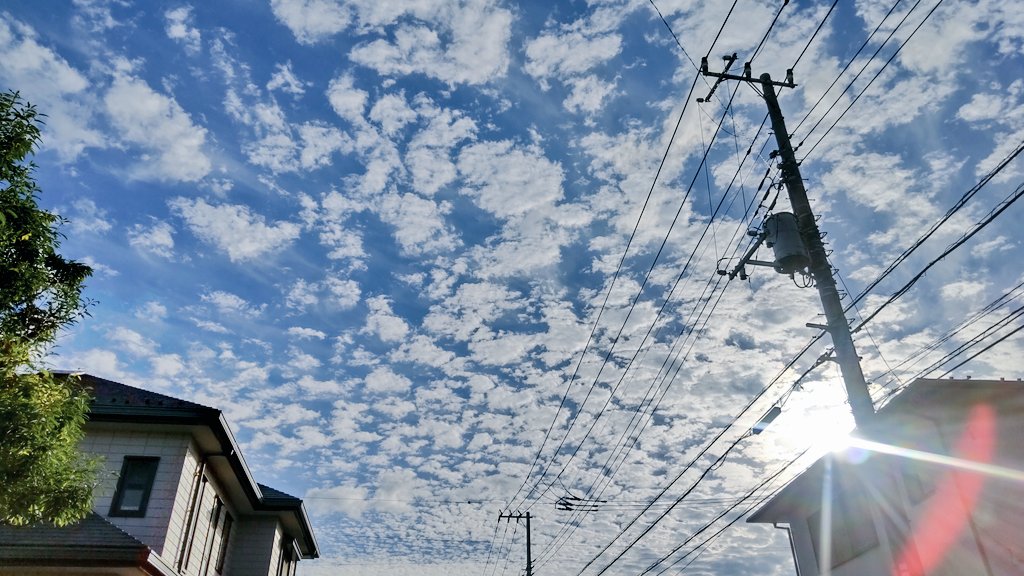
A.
x: 935, y: 486
x: 174, y: 498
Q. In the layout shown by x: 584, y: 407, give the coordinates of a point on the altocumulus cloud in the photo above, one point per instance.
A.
x: 172, y: 145
x: 234, y: 229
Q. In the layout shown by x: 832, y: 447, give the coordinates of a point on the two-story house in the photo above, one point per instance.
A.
x: 935, y: 486
x: 175, y: 498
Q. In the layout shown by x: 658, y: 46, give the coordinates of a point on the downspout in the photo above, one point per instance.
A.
x: 186, y: 537
x: 792, y: 545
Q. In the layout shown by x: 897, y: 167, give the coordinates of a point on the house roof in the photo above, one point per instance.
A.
x: 114, y: 402
x: 934, y: 399
x: 92, y: 539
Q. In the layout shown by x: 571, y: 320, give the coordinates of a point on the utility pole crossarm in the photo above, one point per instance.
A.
x: 746, y: 77
x: 529, y: 553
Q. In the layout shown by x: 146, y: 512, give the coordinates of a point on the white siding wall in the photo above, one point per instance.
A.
x: 113, y: 446
x: 255, y: 542
x: 254, y: 547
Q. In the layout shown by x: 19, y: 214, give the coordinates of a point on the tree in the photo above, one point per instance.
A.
x: 43, y: 477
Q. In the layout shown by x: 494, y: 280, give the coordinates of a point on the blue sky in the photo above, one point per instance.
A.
x: 385, y: 236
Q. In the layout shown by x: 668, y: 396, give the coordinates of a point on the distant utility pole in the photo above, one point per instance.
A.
x: 819, y: 268
x: 894, y: 521
x: 517, y: 517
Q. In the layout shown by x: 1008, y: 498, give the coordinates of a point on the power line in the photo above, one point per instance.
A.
x: 608, y: 294
x: 604, y: 303
x: 875, y: 77
x: 632, y: 307
x: 814, y: 35
x: 712, y: 522
x: 843, y: 71
x: 979, y: 226
x: 960, y: 203
x: 636, y: 418
x: 963, y: 325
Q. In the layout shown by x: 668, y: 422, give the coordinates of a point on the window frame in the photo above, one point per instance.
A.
x: 136, y: 472
x: 222, y: 548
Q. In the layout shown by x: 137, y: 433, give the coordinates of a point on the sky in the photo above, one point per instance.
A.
x: 442, y: 259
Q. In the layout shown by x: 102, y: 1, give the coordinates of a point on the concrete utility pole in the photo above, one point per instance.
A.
x: 820, y: 269
x: 893, y: 517
x: 517, y: 517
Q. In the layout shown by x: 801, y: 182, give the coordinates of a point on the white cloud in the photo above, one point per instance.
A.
x: 281, y: 152
x: 302, y: 295
x: 300, y: 361
x: 304, y: 333
x: 392, y: 112
x: 588, y: 94
x: 466, y: 44
x: 98, y: 267
x: 172, y: 144
x: 234, y: 229
x: 88, y: 218
x: 385, y: 381
x: 506, y: 180
x: 346, y: 499
x: 555, y: 55
x: 470, y: 308
x: 231, y: 304
x: 285, y: 80
x: 180, y: 27
x: 275, y: 151
x: 319, y: 143
x: 311, y: 20
x: 48, y: 81
x: 157, y: 239
x: 210, y: 326
x: 99, y: 362
x: 330, y: 220
x: 167, y: 365
x: 983, y: 107
x: 383, y: 322
x: 151, y: 311
x: 131, y: 341
x: 419, y: 223
x: 420, y: 349
x: 347, y: 100
x: 345, y: 293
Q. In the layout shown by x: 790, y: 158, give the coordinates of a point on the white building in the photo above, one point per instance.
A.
x: 936, y: 487
x: 175, y: 497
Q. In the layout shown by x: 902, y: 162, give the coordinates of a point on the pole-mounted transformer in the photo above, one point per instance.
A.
x: 783, y: 236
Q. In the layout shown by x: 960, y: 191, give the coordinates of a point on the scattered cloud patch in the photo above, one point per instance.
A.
x: 86, y: 218
x: 172, y: 146
x: 311, y: 20
x: 231, y: 304
x: 303, y: 333
x: 46, y: 79
x: 465, y: 44
x: 181, y: 28
x: 284, y: 79
x: 234, y: 229
x: 157, y: 239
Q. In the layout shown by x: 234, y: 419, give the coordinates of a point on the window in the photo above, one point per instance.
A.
x: 222, y: 550
x: 134, y: 486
